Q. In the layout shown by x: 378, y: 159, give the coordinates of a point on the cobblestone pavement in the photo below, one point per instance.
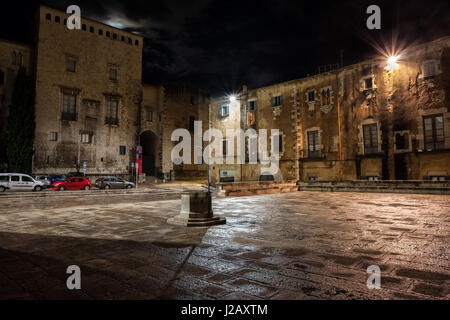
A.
x: 290, y: 246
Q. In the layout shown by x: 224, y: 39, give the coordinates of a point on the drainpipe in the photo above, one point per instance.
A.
x: 341, y: 168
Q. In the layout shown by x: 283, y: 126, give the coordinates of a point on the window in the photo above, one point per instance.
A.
x: 112, y: 109
x: 311, y: 96
x: 15, y: 178
x: 2, y: 77
x: 277, y: 101
x: 100, y: 32
x: 402, y: 141
x: 71, y: 64
x: 252, y: 105
x: 225, y: 111
x: 136, y: 42
x: 17, y: 59
x: 224, y: 147
x: 85, y: 138
x: 83, y: 27
x: 114, y: 35
x: 191, y: 123
x: 326, y: 97
x: 192, y: 100
x: 149, y: 115
x: 122, y: 38
x: 53, y: 136
x: 112, y: 74
x: 65, y: 22
x: 48, y: 16
x: 91, y: 29
x: 69, y: 108
x: 130, y: 41
x: 368, y: 83
x: 429, y: 69
x: 370, y: 132
x: 4, y: 178
x: 280, y: 144
x: 108, y: 34
x: 434, y: 132
x: 313, y: 144
x: 122, y: 150
x: 27, y: 179
x: 57, y: 19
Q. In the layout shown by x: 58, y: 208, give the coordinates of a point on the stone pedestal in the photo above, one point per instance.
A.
x: 196, y: 211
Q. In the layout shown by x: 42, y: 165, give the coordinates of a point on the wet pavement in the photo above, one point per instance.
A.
x: 300, y: 245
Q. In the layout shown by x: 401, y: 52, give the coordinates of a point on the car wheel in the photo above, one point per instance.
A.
x: 129, y: 186
x: 62, y: 188
x: 2, y: 189
x: 38, y: 188
x: 86, y: 187
x: 107, y: 187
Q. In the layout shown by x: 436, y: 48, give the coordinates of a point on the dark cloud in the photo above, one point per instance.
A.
x: 219, y: 45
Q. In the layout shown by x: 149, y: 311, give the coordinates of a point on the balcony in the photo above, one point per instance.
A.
x: 69, y: 116
x: 112, y: 121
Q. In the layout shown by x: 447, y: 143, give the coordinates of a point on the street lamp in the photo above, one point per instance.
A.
x: 232, y: 98
x: 392, y: 63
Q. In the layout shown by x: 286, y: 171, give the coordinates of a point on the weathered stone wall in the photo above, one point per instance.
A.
x: 95, y: 54
x: 12, y: 56
x: 340, y: 103
x: 180, y: 103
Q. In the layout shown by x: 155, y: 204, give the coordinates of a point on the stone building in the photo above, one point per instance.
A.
x: 359, y: 122
x: 166, y: 108
x: 12, y: 56
x: 88, y: 93
x: 91, y: 106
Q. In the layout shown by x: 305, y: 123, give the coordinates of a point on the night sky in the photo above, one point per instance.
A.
x: 220, y: 45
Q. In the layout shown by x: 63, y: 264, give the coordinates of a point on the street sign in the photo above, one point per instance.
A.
x: 132, y: 164
x: 84, y: 166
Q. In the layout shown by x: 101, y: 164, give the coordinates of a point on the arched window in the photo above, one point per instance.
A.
x: 19, y: 59
x: 14, y: 58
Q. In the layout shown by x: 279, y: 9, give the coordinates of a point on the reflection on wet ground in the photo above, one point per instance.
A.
x: 291, y: 246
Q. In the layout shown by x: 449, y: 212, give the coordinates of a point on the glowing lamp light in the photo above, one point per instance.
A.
x: 232, y: 98
x: 392, y: 63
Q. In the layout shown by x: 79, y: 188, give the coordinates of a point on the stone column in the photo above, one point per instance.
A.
x: 196, y: 211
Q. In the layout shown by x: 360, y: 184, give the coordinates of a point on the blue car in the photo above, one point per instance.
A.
x: 56, y: 178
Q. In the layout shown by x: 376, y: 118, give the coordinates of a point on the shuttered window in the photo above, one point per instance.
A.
x: 370, y: 138
x: 313, y: 144
x: 434, y: 132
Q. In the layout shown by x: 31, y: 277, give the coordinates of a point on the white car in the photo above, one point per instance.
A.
x: 19, y: 182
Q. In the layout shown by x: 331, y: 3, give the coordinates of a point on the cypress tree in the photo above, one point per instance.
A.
x: 21, y: 125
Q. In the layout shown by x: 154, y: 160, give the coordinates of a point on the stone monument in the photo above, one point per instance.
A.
x: 196, y: 211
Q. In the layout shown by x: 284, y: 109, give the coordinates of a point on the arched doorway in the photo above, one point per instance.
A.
x: 149, y: 143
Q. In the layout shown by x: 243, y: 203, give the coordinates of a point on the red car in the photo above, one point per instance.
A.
x: 73, y: 183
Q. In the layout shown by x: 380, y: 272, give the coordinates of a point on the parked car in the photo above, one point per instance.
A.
x: 73, y: 183
x: 56, y: 178
x: 19, y: 182
x: 45, y: 179
x: 75, y: 174
x: 113, y: 183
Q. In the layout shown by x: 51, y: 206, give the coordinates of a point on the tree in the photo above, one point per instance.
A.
x: 21, y: 125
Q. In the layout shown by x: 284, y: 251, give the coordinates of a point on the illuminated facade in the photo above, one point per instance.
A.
x: 360, y: 122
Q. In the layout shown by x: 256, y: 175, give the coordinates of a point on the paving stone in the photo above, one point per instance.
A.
x: 301, y: 245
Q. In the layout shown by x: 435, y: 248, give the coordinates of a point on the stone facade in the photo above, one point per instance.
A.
x: 88, y: 93
x: 359, y: 122
x: 12, y: 56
